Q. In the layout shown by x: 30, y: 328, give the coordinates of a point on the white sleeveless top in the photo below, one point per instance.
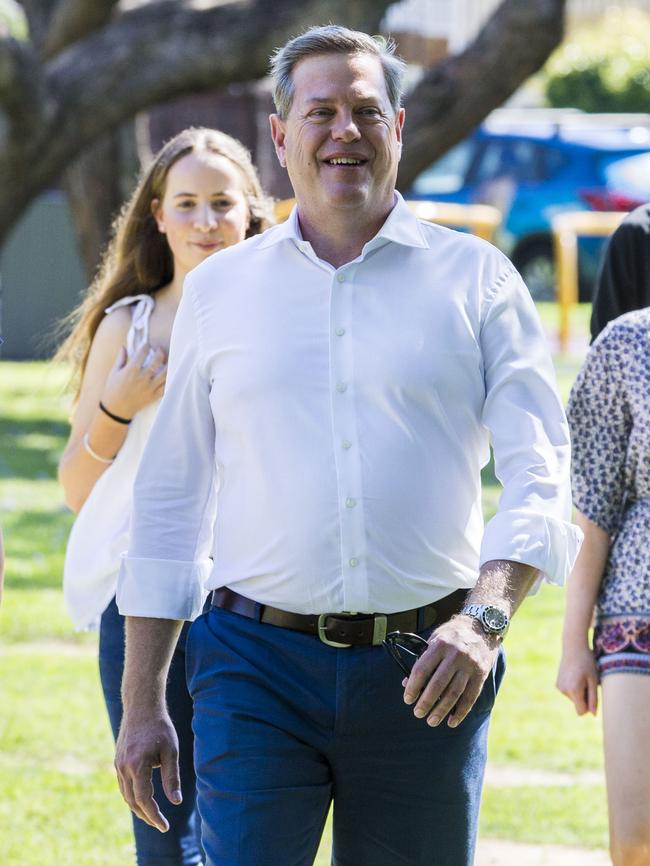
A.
x: 100, y: 532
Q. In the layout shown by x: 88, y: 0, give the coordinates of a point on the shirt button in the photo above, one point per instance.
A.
x: 340, y: 332
x: 341, y: 387
x: 350, y: 502
x: 340, y: 278
x: 346, y: 444
x: 354, y: 562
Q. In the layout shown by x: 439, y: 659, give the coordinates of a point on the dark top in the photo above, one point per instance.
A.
x: 624, y: 279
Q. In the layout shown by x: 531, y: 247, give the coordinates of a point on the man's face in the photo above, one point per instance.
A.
x: 341, y: 141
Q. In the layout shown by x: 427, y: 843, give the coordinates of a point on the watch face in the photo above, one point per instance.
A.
x: 495, y: 620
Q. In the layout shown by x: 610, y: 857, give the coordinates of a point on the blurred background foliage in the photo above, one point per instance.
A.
x: 604, y: 67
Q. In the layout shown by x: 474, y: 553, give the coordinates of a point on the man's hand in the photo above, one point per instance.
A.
x: 147, y: 737
x: 141, y: 746
x: 449, y: 676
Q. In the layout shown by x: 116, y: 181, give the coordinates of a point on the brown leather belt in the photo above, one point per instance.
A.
x: 343, y: 629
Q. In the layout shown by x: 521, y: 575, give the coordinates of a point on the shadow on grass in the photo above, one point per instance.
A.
x: 31, y: 448
x: 35, y: 543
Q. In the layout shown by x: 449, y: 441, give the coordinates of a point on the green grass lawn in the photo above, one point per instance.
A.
x: 59, y: 803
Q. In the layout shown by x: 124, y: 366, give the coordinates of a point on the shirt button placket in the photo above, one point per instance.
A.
x: 351, y: 516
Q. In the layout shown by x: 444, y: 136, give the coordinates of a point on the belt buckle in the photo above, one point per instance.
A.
x: 322, y: 632
x: 379, y: 629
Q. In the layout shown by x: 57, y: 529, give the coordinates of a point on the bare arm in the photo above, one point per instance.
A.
x: 451, y: 673
x: 147, y: 737
x: 577, y: 675
x: 124, y: 387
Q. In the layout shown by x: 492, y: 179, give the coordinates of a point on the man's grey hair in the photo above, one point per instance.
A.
x: 333, y: 39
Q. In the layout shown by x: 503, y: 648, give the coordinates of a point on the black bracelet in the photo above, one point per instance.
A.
x: 117, y: 418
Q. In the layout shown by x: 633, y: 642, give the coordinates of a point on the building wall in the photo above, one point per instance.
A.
x: 41, y: 278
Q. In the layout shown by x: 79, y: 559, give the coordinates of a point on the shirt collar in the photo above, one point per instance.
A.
x: 401, y: 227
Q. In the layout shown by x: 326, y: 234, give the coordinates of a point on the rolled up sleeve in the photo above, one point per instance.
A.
x: 164, y: 571
x: 530, y: 438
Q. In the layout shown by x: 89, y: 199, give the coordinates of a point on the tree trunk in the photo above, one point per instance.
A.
x: 96, y: 185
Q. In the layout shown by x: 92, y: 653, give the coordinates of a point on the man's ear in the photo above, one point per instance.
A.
x: 155, y: 210
x: 278, y: 134
x: 399, y: 126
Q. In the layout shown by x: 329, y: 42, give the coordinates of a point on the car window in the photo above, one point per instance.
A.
x: 553, y: 161
x: 519, y: 160
x: 447, y: 175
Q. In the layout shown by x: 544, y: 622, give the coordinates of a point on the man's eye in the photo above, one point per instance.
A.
x: 370, y: 111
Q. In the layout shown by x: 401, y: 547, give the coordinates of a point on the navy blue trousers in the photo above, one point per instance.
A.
x: 181, y: 844
x: 284, y: 725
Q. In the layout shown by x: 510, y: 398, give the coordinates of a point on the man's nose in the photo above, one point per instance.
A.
x: 345, y: 128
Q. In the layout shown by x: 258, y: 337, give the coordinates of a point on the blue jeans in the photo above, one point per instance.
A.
x: 181, y: 844
x: 285, y: 724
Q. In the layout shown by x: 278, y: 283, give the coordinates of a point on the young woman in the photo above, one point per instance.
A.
x: 201, y: 194
x: 609, y: 414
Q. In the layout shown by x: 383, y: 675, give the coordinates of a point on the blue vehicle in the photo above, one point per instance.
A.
x: 532, y: 165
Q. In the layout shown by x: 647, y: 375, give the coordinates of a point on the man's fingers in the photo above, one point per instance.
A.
x: 125, y: 783
x: 171, y: 777
x: 422, y: 671
x: 433, y: 691
x: 465, y: 703
x: 146, y: 806
x: 449, y: 675
x: 449, y: 699
x: 140, y: 748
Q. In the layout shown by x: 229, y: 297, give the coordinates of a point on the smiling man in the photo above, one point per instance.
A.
x: 333, y: 386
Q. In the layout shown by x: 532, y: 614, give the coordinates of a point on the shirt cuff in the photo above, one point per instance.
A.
x: 547, y: 543
x: 162, y: 588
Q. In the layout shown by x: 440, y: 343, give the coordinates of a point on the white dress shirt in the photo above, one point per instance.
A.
x: 338, y: 419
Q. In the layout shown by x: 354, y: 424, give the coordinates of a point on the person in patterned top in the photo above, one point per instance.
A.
x: 609, y: 416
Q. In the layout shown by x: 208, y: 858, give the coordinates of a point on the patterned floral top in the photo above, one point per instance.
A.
x: 609, y: 415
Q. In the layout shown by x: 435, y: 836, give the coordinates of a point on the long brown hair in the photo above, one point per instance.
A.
x: 138, y: 259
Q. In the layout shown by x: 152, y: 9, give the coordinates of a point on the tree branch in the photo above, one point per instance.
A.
x: 21, y: 82
x: 72, y: 20
x: 38, y: 14
x: 175, y: 49
x: 515, y: 43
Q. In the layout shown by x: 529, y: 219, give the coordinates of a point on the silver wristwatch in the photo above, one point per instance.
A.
x: 493, y: 620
